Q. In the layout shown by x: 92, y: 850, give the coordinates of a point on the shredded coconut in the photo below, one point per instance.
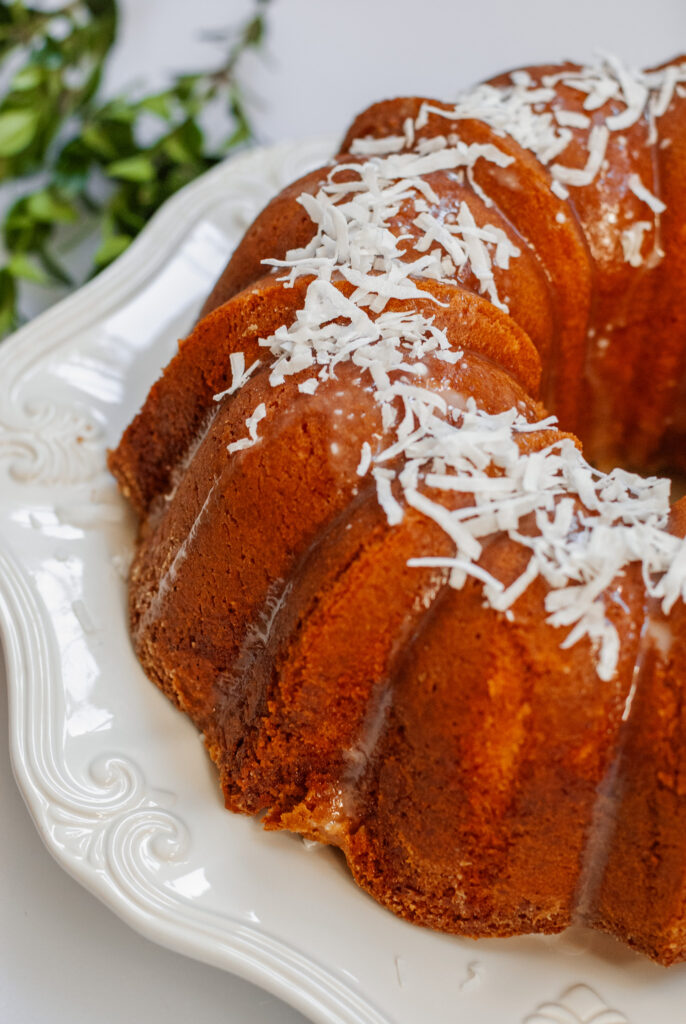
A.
x: 589, y: 526
x: 639, y: 190
x: 632, y: 241
x: 251, y: 423
x: 519, y: 110
x: 239, y: 374
x: 452, y: 462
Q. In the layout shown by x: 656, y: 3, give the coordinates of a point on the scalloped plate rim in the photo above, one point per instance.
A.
x: 46, y: 333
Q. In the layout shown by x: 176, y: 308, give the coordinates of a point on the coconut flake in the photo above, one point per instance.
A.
x: 665, y: 94
x: 251, y: 423
x: 392, y: 508
x: 645, y: 195
x: 578, y: 177
x: 365, y: 459
x: 238, y: 373
x: 572, y: 119
x: 464, y: 469
x: 379, y: 147
x: 632, y: 241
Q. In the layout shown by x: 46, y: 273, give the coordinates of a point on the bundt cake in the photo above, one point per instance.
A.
x: 410, y: 617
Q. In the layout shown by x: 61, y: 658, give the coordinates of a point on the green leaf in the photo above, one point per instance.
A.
x: 184, y: 144
x: 73, y: 167
x: 132, y: 168
x: 158, y: 104
x: 112, y: 247
x: 89, y: 87
x: 119, y: 110
x: 21, y: 232
x: 184, y: 86
x: 254, y: 32
x: 19, y: 265
x: 53, y: 268
x: 28, y: 78
x: 97, y: 141
x: 116, y: 167
x: 125, y: 213
x: 48, y: 207
x: 242, y: 133
x: 17, y: 130
x: 18, y: 219
x: 102, y: 8
x: 8, y: 300
x: 49, y: 56
x: 175, y: 150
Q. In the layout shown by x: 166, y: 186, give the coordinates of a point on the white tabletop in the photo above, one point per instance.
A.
x: 63, y: 956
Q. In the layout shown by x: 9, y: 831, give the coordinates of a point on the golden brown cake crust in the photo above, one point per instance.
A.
x: 480, y: 774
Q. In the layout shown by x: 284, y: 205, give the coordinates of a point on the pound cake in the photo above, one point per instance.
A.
x: 396, y: 560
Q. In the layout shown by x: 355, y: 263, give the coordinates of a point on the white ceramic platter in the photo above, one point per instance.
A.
x: 117, y: 781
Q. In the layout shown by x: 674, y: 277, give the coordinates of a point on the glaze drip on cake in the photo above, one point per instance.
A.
x: 408, y: 614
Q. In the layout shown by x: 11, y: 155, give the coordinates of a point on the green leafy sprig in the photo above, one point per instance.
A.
x: 110, y: 164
